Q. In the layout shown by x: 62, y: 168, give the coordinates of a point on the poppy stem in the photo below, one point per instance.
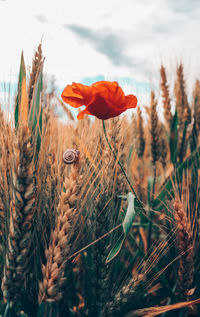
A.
x: 122, y: 169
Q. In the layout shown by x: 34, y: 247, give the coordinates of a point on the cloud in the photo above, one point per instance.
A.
x: 184, y: 6
x: 41, y: 18
x: 104, y: 42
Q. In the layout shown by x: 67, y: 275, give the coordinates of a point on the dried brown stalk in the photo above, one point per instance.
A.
x: 117, y: 137
x: 66, y: 110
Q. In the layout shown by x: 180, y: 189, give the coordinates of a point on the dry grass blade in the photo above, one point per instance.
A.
x: 155, y: 311
x: 66, y: 110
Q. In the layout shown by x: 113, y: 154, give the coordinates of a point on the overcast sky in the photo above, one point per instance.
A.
x: 89, y: 40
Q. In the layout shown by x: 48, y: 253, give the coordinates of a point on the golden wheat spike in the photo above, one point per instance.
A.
x: 22, y: 208
x: 154, y: 130
x: 140, y: 141
x: 60, y: 245
x: 185, y: 244
x: 182, y: 105
x: 196, y: 104
x: 165, y: 96
x: 36, y: 64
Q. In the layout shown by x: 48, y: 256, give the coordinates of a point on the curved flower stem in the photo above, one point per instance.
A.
x: 122, y: 169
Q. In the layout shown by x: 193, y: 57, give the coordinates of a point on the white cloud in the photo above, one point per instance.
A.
x: 138, y: 32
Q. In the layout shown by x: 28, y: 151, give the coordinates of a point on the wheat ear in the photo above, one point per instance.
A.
x: 154, y: 130
x: 165, y: 96
x: 21, y: 218
x: 61, y: 244
x: 36, y: 64
x: 196, y: 104
x: 140, y: 141
x: 185, y: 244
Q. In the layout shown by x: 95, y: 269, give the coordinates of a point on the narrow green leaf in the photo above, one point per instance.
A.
x: 35, y: 115
x: 126, y: 225
x: 35, y: 105
x: 48, y: 309
x: 9, y: 311
x: 149, y: 187
x: 130, y: 214
x: 22, y: 76
x: 182, y: 151
x: 166, y: 191
x: 174, y: 138
x: 193, y: 139
x: 130, y: 155
x: 116, y: 249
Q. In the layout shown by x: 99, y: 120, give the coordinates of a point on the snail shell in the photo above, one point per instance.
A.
x: 70, y: 156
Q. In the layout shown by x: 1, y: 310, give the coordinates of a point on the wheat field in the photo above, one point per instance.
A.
x: 110, y: 228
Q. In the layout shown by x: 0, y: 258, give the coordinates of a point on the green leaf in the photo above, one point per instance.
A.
x: 167, y: 188
x: 174, y: 138
x: 116, y: 249
x: 9, y: 311
x: 126, y: 225
x: 149, y: 187
x: 35, y: 115
x: 182, y: 146
x: 130, y: 214
x: 130, y: 155
x: 35, y: 104
x: 48, y: 309
x: 22, y: 76
x: 193, y: 139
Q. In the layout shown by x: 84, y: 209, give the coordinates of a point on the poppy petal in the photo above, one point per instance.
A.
x: 103, y: 99
x: 81, y: 114
x: 130, y: 101
x: 74, y: 102
x: 105, y: 86
x: 76, y: 95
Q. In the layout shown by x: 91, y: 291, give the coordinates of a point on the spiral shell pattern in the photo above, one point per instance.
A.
x: 70, y: 156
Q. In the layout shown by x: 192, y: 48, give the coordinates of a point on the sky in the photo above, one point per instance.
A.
x: 89, y: 40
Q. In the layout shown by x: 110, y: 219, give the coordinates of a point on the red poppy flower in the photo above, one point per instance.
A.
x: 103, y: 99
